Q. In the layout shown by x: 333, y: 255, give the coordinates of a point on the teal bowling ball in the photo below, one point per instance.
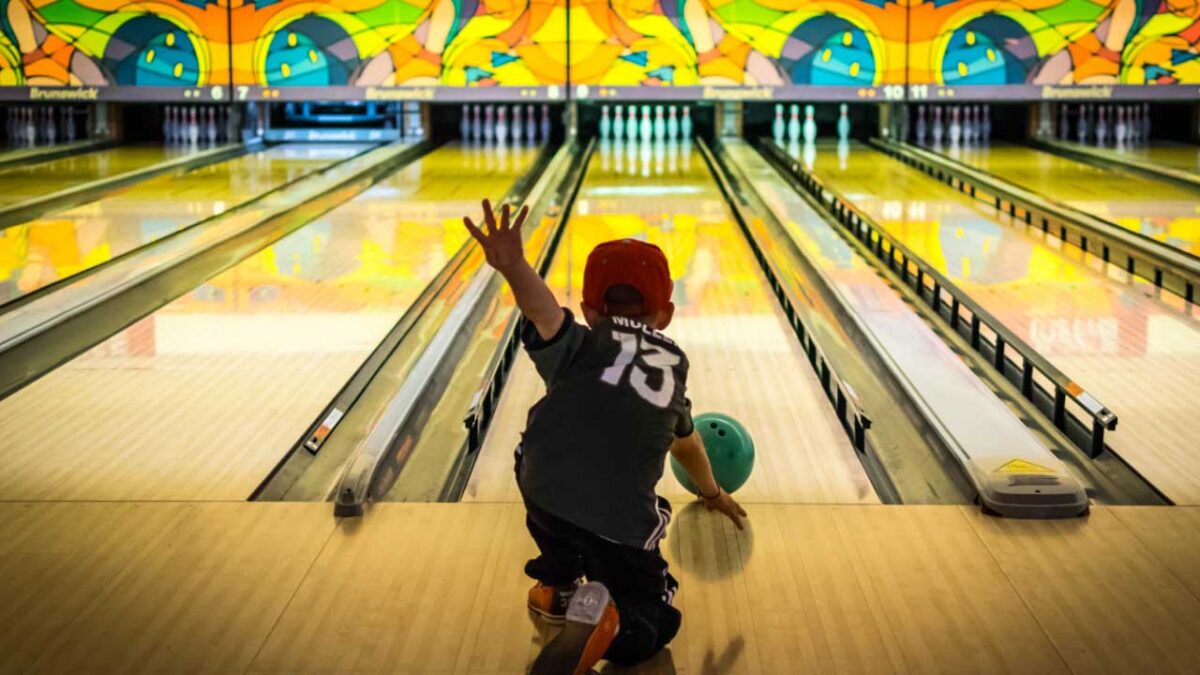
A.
x: 730, y: 451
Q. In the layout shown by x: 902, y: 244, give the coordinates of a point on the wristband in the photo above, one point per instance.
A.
x: 707, y: 498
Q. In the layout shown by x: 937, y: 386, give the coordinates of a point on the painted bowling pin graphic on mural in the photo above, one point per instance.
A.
x: 672, y: 124
x: 685, y: 125
x: 605, y: 123
x: 778, y: 127
x: 810, y: 124
x: 794, y: 123
x: 843, y: 125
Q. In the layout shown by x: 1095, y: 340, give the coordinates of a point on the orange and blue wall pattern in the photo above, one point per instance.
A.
x: 482, y: 43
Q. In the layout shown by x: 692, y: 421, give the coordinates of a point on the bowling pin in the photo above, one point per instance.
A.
x: 30, y: 128
x: 476, y: 124
x: 166, y: 125
x: 810, y: 124
x: 618, y: 123
x: 647, y: 128
x: 545, y: 123
x: 1064, y: 125
x: 922, y: 127
x: 502, y: 124
x: 518, y: 125
x: 1081, y: 125
x: 955, y: 126
x: 211, y: 129
x: 794, y: 123
x: 937, y: 126
x: 631, y: 123
x: 843, y: 125
x: 1120, y: 127
x: 193, y: 127
x: 985, y: 126
x: 51, y: 127
x: 1101, y: 127
x: 660, y: 124
x: 68, y: 123
x: 464, y: 123
x: 1145, y: 122
x: 672, y: 126
x: 778, y: 127
x: 489, y: 123
x: 605, y: 123
x: 685, y: 125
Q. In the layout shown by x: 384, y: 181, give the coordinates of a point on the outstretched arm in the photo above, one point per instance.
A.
x: 689, y: 451
x: 504, y: 249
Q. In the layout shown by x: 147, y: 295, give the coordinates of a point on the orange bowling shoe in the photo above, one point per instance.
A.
x: 591, y: 624
x: 550, y: 602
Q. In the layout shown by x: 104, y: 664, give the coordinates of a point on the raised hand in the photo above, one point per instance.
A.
x: 502, y: 240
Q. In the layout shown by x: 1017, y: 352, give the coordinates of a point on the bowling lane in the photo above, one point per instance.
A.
x: 37, y: 180
x: 42, y: 251
x: 744, y: 358
x: 1138, y: 354
x: 1157, y: 209
x: 1170, y: 155
x: 202, y: 398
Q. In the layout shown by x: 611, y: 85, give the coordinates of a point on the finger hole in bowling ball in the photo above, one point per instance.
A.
x: 721, y: 432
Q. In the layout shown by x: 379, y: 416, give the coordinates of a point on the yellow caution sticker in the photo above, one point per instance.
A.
x: 1023, y: 466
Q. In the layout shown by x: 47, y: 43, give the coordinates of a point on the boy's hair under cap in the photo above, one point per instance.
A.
x: 630, y: 262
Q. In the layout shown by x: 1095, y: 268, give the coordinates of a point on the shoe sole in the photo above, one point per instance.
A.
x: 584, y: 614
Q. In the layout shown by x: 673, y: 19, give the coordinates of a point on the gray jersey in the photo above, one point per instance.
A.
x: 595, y: 446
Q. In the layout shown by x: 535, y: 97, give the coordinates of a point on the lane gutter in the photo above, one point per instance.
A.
x: 407, y: 336
x: 377, y: 461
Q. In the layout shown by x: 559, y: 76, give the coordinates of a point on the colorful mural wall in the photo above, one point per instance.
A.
x: 172, y: 43
x: 482, y: 43
x: 963, y: 42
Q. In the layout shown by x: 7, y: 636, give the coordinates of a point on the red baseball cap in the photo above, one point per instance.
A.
x: 632, y: 262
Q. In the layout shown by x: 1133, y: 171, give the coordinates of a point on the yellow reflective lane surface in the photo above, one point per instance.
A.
x: 36, y: 180
x: 202, y: 398
x: 1138, y: 354
x: 38, y: 253
x: 1157, y: 209
x: 744, y: 358
x: 1171, y: 155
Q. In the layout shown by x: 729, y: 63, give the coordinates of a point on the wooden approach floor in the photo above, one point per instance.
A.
x: 232, y: 587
